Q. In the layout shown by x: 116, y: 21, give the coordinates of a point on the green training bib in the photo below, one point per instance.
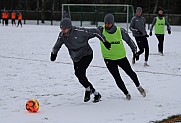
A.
x: 160, y: 26
x: 117, y: 50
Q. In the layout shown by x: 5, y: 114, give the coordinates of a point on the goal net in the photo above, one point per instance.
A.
x: 93, y: 14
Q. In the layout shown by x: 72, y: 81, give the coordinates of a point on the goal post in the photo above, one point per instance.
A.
x: 93, y: 14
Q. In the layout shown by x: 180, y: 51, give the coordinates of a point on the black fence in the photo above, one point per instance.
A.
x: 41, y: 17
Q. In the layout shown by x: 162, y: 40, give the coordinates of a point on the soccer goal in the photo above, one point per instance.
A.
x: 93, y: 14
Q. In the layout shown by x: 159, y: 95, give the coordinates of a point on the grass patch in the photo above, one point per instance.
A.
x: 170, y: 119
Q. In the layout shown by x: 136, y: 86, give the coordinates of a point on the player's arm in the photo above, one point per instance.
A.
x: 128, y: 40
x: 56, y: 47
x: 97, y: 33
x: 152, y: 25
x: 132, y: 24
x: 168, y: 26
x: 144, y: 21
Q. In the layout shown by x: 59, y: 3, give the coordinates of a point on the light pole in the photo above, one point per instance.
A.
x: 25, y: 12
x: 52, y: 13
x: 42, y: 12
x: 37, y: 9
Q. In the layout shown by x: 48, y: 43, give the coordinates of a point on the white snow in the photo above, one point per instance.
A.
x: 27, y: 73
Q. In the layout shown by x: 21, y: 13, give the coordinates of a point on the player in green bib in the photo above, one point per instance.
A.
x: 116, y: 56
x: 159, y: 22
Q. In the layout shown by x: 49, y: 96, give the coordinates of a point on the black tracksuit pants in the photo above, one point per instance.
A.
x: 142, y: 43
x: 13, y: 22
x: 3, y: 21
x: 160, y: 38
x: 19, y: 22
x: 6, y: 22
x: 112, y: 66
x: 80, y: 70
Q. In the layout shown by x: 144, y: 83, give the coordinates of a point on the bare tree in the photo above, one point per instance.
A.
x: 43, y: 11
x: 155, y: 8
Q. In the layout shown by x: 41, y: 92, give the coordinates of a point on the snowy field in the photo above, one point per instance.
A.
x: 27, y: 73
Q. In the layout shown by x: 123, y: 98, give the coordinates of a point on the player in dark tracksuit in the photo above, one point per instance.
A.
x: 159, y: 22
x: 116, y: 56
x: 76, y: 40
x: 137, y: 26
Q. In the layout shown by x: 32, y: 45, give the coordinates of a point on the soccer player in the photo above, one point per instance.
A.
x: 137, y: 26
x: 159, y: 22
x: 20, y: 17
x: 13, y: 17
x: 76, y: 40
x: 116, y: 56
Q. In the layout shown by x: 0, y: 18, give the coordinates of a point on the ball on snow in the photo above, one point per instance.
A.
x: 32, y: 106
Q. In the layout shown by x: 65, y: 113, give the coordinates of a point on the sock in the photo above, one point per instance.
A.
x: 88, y: 88
x: 95, y: 93
x: 145, y: 62
x: 139, y: 86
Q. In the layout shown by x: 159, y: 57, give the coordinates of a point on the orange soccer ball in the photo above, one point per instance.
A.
x: 32, y: 106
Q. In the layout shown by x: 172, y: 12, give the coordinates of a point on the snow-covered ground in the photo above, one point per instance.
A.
x: 27, y: 73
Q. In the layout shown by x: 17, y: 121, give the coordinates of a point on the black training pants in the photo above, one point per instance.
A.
x: 6, y: 22
x: 13, y: 22
x: 142, y: 43
x: 19, y: 22
x: 112, y: 66
x: 160, y: 38
x: 80, y: 70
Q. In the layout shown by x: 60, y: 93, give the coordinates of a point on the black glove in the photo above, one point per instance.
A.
x: 107, y: 45
x: 150, y: 34
x: 139, y: 32
x: 136, y: 56
x: 169, y: 31
x: 147, y: 35
x: 53, y: 57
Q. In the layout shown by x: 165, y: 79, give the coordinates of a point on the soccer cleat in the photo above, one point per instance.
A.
x: 135, y: 57
x: 87, y: 96
x: 146, y: 64
x: 128, y: 96
x: 142, y: 91
x: 160, y: 53
x: 97, y: 98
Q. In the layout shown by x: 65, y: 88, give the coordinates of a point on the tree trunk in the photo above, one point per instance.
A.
x: 43, y: 12
x: 156, y: 5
